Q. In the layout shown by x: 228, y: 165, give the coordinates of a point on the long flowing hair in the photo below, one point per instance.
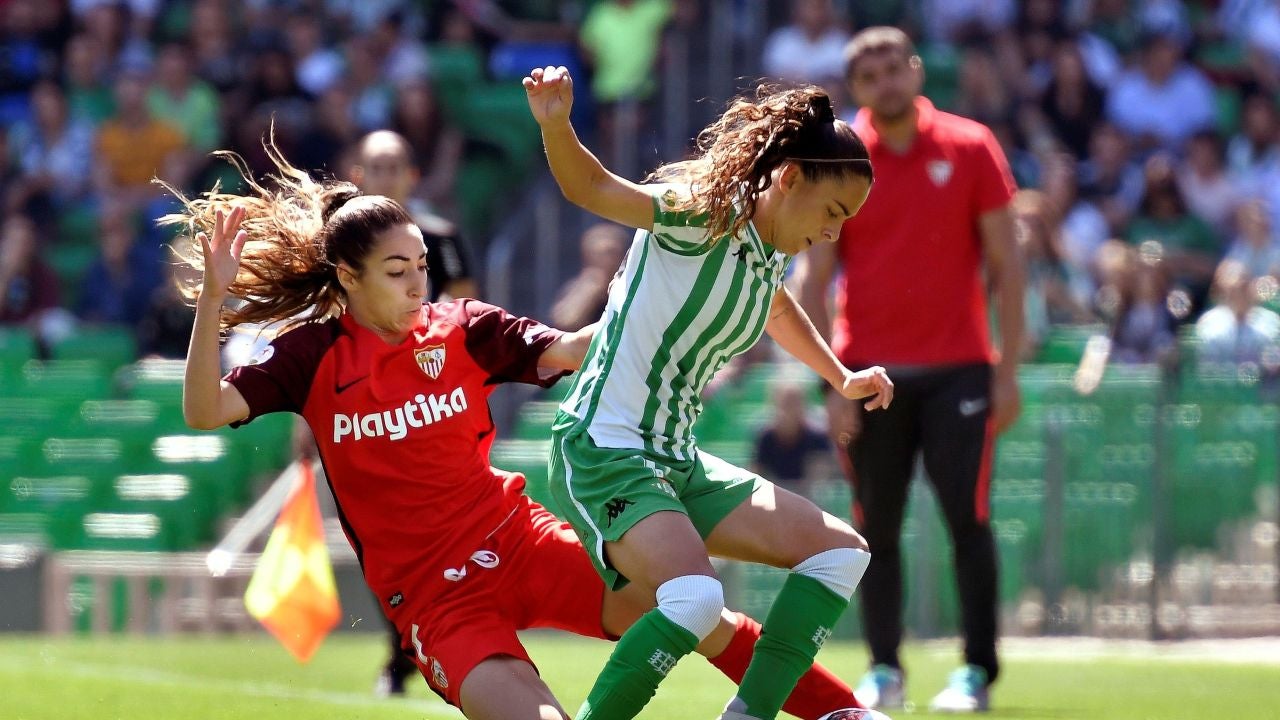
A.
x: 738, y: 153
x: 299, y: 230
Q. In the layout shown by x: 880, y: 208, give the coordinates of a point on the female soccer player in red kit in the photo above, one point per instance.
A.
x: 395, y: 391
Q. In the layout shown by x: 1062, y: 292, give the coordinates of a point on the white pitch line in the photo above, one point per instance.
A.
x: 151, y: 676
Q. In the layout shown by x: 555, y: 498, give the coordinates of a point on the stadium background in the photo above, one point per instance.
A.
x: 1145, y: 509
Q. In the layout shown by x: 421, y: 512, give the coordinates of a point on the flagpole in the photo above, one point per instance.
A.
x: 256, y: 519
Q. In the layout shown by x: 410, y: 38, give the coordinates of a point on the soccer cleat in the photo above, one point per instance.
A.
x: 881, y: 687
x: 966, y: 692
x: 854, y: 714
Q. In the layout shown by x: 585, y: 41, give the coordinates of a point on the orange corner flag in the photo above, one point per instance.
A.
x: 292, y: 592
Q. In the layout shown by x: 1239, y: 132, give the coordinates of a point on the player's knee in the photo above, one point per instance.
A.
x: 694, y: 602
x: 840, y: 570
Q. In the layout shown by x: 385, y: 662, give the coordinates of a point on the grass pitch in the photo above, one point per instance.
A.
x: 252, y: 678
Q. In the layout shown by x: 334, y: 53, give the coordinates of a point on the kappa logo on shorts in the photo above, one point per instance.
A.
x: 616, y: 507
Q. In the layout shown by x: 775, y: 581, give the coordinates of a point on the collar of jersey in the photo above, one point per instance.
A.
x: 367, y: 350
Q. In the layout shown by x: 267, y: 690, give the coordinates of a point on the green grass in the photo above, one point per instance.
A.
x: 252, y: 678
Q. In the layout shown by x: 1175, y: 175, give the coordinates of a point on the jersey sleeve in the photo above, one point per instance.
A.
x: 677, y: 230
x: 279, y: 378
x: 995, y: 184
x: 507, y: 346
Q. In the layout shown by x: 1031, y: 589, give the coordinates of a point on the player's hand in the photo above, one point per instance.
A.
x: 1006, y: 400
x: 222, y: 252
x: 873, y: 382
x: 550, y: 92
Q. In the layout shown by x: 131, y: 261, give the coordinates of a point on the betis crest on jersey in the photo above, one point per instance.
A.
x: 430, y: 359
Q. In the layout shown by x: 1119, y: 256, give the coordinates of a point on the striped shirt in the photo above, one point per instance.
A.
x: 682, y: 308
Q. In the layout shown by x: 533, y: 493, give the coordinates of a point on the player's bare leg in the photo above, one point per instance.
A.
x: 505, y: 688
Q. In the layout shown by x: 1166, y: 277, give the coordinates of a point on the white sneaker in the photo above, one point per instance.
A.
x: 881, y: 687
x: 854, y: 714
x: 966, y: 692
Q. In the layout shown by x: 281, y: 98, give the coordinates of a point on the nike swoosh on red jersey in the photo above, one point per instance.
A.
x: 338, y: 389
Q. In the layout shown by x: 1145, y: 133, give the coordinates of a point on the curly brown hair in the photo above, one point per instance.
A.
x: 738, y: 153
x: 298, y: 233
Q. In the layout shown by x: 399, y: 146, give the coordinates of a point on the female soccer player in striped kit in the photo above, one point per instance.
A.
x: 702, y: 282
x: 395, y: 391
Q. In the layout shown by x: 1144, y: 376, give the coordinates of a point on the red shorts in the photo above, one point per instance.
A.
x: 533, y: 572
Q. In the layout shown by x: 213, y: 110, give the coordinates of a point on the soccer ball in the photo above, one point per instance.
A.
x: 854, y: 714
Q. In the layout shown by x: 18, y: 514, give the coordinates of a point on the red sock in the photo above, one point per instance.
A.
x: 817, y: 693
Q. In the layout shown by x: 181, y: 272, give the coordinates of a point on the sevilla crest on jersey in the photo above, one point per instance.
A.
x: 430, y: 359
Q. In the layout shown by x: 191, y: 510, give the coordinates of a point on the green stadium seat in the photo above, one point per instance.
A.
x: 172, y: 497
x: 154, y: 379
x: 535, y: 420
x: 113, y: 346
x: 35, y: 417
x: 17, y: 346
x: 67, y: 379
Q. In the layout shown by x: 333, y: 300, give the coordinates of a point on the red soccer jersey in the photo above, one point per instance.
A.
x: 404, y: 431
x: 913, y: 292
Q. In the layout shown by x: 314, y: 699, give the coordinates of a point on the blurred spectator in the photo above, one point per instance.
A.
x: 1109, y: 178
x: 620, y: 39
x: 1143, y: 329
x: 318, y: 67
x: 1163, y: 100
x: 1256, y: 246
x: 332, y: 131
x: 84, y: 72
x: 384, y: 166
x: 1048, y: 300
x: 791, y: 450
x: 1189, y: 248
x: 54, y: 150
x: 371, y: 93
x: 1236, y: 329
x: 217, y: 57
x: 1113, y: 21
x: 1081, y: 227
x: 811, y: 48
x: 437, y: 145
x: 1072, y: 102
x: 1203, y: 180
x: 165, y: 328
x: 28, y: 288
x: 983, y: 96
x: 404, y: 57
x: 184, y: 101
x: 581, y: 301
x: 1253, y: 152
x: 132, y: 145
x: 117, y: 286
x: 952, y: 21
x: 23, y: 58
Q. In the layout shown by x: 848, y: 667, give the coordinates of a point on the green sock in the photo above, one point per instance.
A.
x: 640, y: 660
x: 799, y: 622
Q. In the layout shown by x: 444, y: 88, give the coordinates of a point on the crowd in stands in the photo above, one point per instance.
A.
x: 1145, y: 134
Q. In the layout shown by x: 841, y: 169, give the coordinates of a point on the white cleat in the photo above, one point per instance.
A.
x: 881, y: 687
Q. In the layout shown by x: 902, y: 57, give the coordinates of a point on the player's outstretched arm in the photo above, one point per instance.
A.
x: 207, y: 401
x: 582, y: 178
x: 570, y: 350
x: 791, y: 328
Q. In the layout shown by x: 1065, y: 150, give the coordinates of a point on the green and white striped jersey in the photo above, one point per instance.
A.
x: 681, y: 309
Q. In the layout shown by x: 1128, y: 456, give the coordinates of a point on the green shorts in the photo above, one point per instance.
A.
x: 604, y: 492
